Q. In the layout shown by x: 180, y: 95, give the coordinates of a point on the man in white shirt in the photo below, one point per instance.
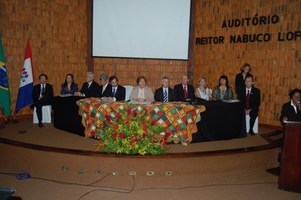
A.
x: 90, y: 88
x: 42, y: 94
x: 250, y: 98
x: 105, y: 87
x: 165, y: 93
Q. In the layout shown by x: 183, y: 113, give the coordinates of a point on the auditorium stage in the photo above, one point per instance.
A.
x: 51, y: 139
x: 67, y: 163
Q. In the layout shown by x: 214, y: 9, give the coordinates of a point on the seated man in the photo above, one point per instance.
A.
x: 105, y: 87
x: 184, y: 91
x: 42, y: 95
x: 118, y: 91
x: 250, y: 98
x: 165, y: 93
x: 291, y: 111
x: 89, y: 88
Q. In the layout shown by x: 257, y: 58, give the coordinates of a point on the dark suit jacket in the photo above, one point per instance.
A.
x: 48, y: 94
x: 92, y: 91
x: 179, y: 92
x: 240, y: 83
x: 254, y: 99
x: 107, y: 92
x: 120, y: 93
x: 64, y: 89
x: 159, y: 95
x: 289, y: 112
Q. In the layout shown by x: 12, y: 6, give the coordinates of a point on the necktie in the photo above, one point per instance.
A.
x: 165, y: 96
x: 185, y: 92
x: 43, y: 89
x: 114, y: 91
x: 89, y: 84
x: 248, y: 100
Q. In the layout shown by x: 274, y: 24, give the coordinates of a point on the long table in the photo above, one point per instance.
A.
x: 220, y: 121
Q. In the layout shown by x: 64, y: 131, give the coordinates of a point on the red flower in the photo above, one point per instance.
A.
x: 121, y: 136
x: 137, y: 139
x: 168, y: 134
x: 154, y: 122
x: 107, y: 117
x: 118, y: 115
x: 144, y: 134
x: 93, y: 133
x: 128, y: 110
x: 114, y: 136
x: 134, y: 113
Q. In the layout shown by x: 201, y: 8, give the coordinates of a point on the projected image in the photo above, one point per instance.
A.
x: 156, y: 29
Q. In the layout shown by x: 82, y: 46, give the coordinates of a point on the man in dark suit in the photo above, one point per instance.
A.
x: 250, y: 98
x: 105, y: 89
x: 117, y: 92
x: 165, y: 93
x: 89, y: 88
x: 42, y: 95
x: 184, y: 91
x: 291, y: 111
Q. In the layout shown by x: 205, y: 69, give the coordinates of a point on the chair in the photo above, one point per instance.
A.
x: 255, y: 127
x: 46, y: 114
x: 128, y: 91
x: 5, y: 193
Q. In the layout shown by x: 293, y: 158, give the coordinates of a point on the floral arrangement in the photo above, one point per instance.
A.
x: 129, y: 131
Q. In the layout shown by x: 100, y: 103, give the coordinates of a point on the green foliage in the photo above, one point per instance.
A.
x: 129, y: 131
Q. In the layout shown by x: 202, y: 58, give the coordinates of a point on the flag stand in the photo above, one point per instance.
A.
x: 2, y: 115
x: 14, y: 121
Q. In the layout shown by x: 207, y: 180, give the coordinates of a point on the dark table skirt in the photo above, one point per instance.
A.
x: 66, y: 115
x: 220, y: 121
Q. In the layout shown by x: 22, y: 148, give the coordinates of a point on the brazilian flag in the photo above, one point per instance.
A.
x: 4, y: 91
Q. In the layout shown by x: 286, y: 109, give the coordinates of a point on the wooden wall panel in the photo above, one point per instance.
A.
x: 276, y: 65
x: 58, y: 37
x: 128, y: 70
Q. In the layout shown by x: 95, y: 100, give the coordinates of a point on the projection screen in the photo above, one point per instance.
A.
x: 156, y: 29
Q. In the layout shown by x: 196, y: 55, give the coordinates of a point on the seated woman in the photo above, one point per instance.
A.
x: 69, y: 87
x: 202, y: 91
x: 223, y: 91
x: 142, y: 93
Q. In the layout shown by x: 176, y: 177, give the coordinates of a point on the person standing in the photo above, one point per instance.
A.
x: 165, y: 93
x: 250, y: 99
x: 291, y: 111
x: 240, y: 78
x: 184, y: 91
x: 42, y: 95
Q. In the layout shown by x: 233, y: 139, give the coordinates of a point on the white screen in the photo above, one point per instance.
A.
x: 141, y: 28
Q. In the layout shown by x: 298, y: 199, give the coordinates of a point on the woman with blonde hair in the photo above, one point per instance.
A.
x: 202, y: 90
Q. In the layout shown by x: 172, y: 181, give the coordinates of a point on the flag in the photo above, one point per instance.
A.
x: 26, y: 82
x: 4, y: 91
